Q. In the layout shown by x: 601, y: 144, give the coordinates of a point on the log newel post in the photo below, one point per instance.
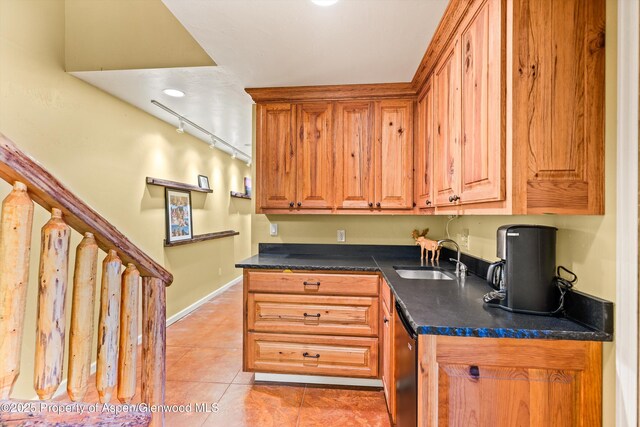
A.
x: 15, y: 248
x: 153, y: 344
x: 82, y: 309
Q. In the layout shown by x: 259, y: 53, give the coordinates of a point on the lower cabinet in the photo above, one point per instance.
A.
x: 508, y: 382
x: 387, y: 349
x: 313, y: 355
x: 312, y: 323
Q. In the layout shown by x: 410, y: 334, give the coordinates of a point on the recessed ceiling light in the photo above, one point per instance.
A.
x: 173, y: 92
x: 324, y: 2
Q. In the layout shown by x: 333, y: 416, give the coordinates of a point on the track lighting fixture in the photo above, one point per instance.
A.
x: 213, y: 142
x: 180, y: 128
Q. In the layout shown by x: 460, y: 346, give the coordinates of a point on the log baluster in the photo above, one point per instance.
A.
x: 128, y: 334
x: 81, y: 330
x: 153, y: 344
x: 50, y: 329
x: 15, y: 248
x: 108, y: 326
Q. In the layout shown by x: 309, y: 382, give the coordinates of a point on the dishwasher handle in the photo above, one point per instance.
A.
x: 405, y: 322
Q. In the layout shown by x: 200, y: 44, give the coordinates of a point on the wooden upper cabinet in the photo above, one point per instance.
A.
x: 394, y: 154
x: 423, y: 160
x: 355, y: 177
x: 315, y: 156
x: 482, y: 149
x: 558, y: 106
x: 446, y: 91
x: 276, y: 156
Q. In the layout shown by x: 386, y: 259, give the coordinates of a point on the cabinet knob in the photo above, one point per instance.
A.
x: 370, y: 204
x: 428, y: 203
x: 454, y: 198
x: 378, y: 204
x: 299, y: 204
x: 291, y: 204
x: 386, y: 320
x: 414, y: 204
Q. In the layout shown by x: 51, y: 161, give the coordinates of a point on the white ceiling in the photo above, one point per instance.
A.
x: 262, y: 43
x: 213, y: 98
x: 295, y: 42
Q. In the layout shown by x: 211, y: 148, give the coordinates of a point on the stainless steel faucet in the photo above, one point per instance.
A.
x: 461, y: 268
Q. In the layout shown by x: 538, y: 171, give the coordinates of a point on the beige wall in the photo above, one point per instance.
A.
x: 103, y: 148
x: 586, y: 245
x: 127, y: 34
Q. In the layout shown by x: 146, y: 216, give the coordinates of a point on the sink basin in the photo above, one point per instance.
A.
x: 423, y: 273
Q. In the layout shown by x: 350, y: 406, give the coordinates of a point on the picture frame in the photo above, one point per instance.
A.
x: 247, y: 186
x: 179, y: 215
x: 203, y: 182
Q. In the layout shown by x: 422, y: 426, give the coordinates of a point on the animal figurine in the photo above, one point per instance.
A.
x: 426, y: 245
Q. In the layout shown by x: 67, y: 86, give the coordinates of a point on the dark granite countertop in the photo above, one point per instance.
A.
x: 435, y: 307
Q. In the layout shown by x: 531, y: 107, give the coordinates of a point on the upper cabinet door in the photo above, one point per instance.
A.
x: 482, y: 150
x: 394, y: 154
x: 447, y: 126
x: 315, y: 156
x: 355, y: 176
x: 276, y: 156
x: 559, y: 106
x: 424, y: 150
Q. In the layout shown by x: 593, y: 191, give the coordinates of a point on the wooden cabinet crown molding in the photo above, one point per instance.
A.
x: 445, y: 31
x: 332, y: 92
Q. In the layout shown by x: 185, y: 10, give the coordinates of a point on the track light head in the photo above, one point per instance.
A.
x: 180, y: 128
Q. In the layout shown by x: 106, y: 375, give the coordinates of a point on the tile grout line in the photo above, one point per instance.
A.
x: 304, y: 392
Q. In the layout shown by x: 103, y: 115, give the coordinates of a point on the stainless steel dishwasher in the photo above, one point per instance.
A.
x: 405, y: 343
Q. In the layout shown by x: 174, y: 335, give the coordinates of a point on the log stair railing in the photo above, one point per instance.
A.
x: 118, y: 319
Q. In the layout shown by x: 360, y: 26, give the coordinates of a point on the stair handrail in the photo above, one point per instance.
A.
x: 49, y: 192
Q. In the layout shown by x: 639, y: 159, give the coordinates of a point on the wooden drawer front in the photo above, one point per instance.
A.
x: 310, y: 314
x: 312, y: 355
x: 385, y: 293
x: 313, y: 284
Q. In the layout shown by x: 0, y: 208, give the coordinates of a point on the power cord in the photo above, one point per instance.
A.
x: 564, y: 285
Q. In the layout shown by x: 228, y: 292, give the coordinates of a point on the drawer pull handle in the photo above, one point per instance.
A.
x: 311, y: 283
x: 312, y: 315
x: 305, y: 354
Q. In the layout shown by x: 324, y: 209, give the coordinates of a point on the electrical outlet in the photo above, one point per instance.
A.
x: 273, y: 230
x: 342, y: 236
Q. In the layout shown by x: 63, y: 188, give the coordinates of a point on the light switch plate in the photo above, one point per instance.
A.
x: 273, y: 229
x: 342, y: 236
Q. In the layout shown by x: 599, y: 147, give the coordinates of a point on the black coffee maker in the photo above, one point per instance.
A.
x: 524, y: 277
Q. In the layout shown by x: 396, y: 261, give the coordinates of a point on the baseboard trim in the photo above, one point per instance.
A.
x: 190, y: 309
x: 316, y: 379
x: 62, y: 388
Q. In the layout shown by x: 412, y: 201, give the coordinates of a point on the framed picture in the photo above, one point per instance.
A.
x: 203, y: 182
x: 179, y: 216
x: 247, y: 185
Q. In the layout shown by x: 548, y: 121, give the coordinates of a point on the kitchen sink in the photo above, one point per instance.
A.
x: 427, y: 273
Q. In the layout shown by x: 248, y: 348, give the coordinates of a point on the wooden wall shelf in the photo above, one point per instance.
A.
x: 240, y: 195
x: 176, y: 185
x: 203, y: 237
